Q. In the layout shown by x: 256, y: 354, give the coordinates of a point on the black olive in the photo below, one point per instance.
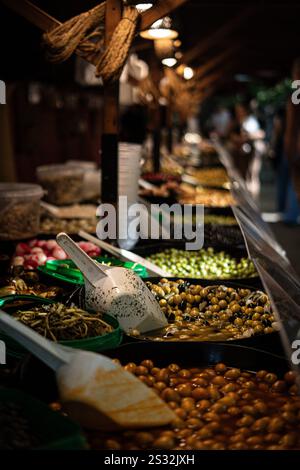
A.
x: 171, y: 317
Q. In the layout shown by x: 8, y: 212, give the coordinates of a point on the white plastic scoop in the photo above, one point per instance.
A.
x: 125, y: 255
x: 117, y: 291
x: 96, y: 392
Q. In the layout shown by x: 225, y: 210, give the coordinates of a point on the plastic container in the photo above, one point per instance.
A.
x: 94, y: 344
x: 19, y: 210
x: 65, y: 270
x: 53, y: 430
x: 85, y: 165
x: 64, y: 184
x: 91, y: 180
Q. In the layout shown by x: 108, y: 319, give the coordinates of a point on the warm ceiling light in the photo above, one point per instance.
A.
x: 180, y: 69
x: 143, y: 6
x: 161, y: 29
x: 140, y: 5
x: 163, y: 48
x: 169, y: 61
x: 177, y: 43
x: 178, y: 55
x: 188, y: 73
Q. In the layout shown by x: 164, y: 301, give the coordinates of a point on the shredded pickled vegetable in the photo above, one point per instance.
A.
x: 58, y: 322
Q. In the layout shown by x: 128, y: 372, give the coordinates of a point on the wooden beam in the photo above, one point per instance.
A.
x: 208, y: 80
x: 113, y: 15
x: 35, y: 16
x: 162, y: 8
x: 32, y: 13
x: 213, y: 88
x: 44, y: 21
x: 207, y: 93
x: 155, y: 123
x: 206, y: 43
x: 215, y: 61
x: 109, y: 147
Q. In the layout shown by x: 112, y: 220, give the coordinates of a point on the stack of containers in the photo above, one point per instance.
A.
x: 129, y: 174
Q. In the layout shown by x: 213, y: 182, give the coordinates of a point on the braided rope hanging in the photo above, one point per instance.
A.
x: 85, y: 34
x: 114, y: 57
x: 62, y: 41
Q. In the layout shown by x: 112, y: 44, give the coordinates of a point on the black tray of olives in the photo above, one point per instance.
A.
x: 198, y: 354
x: 225, y: 397
x: 196, y: 312
x: 147, y: 248
x: 34, y: 377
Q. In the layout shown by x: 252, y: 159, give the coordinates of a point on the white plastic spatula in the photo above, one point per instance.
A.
x: 117, y: 291
x: 96, y: 392
x: 125, y: 255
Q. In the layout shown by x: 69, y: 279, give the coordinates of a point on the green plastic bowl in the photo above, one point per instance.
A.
x: 54, y: 431
x: 94, y: 344
x: 66, y: 270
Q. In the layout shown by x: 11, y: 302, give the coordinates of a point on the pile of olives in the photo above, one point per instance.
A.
x: 217, y: 408
x: 219, y: 219
x: 212, y: 313
x: 203, y: 264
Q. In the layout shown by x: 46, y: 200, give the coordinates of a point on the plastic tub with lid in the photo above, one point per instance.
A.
x: 64, y: 184
x: 92, y: 178
x: 19, y: 210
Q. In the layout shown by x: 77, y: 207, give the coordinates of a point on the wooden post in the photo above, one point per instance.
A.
x: 170, y: 130
x: 156, y: 147
x: 156, y: 117
x: 169, y: 120
x: 109, y: 154
x: 154, y: 128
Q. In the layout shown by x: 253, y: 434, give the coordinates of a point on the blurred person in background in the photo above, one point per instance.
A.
x: 291, y: 160
x: 286, y: 196
x: 221, y: 121
x: 252, y: 132
x: 246, y: 143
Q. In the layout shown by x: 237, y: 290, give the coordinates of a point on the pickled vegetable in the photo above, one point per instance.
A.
x: 58, y: 322
x: 203, y: 264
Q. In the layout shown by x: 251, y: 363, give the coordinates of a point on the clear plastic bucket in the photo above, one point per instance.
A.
x: 92, y: 178
x: 19, y: 210
x: 64, y: 184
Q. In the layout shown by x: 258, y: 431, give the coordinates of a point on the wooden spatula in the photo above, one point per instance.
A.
x: 97, y: 393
